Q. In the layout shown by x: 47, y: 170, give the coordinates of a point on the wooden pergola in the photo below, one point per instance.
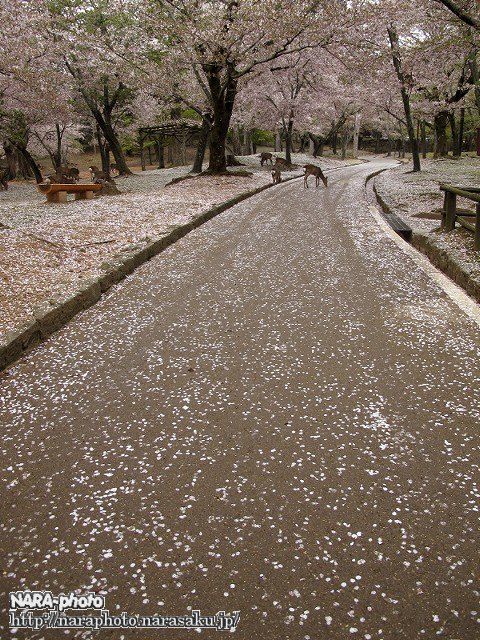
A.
x: 182, y: 130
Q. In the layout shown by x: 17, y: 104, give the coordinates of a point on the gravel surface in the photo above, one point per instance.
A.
x: 278, y: 415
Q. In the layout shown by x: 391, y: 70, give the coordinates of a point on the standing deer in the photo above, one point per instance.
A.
x: 277, y: 174
x: 265, y: 157
x: 313, y: 170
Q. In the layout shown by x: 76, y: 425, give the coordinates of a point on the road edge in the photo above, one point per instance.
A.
x: 51, y: 316
x: 438, y: 265
x: 437, y: 255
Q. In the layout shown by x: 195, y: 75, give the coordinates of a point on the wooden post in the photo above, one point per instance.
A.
x: 477, y: 229
x: 449, y: 211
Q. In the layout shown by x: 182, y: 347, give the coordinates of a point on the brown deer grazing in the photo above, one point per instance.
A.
x: 266, y: 157
x: 60, y: 178
x: 277, y: 174
x: 313, y: 170
x: 281, y: 162
x: 72, y: 173
x: 97, y: 174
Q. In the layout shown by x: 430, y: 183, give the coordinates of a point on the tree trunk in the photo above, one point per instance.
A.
x: 440, y: 124
x: 288, y: 141
x: 344, y: 140
x: 454, y: 133
x: 31, y: 164
x: 423, y: 137
x: 217, y: 147
x: 356, y: 134
x: 115, y: 147
x: 160, y: 154
x: 201, y: 145
x: 111, y: 138
x: 461, y: 129
x: 278, y: 140
x: 57, y: 156
x: 334, y: 143
x: 236, y: 141
x: 318, y: 143
x: 245, y: 147
x: 397, y: 63
x: 304, y: 143
x: 104, y: 152
x: 11, y: 157
x: 223, y: 90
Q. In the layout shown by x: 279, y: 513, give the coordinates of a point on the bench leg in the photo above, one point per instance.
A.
x: 477, y: 229
x: 84, y: 195
x: 449, y: 211
x: 59, y: 196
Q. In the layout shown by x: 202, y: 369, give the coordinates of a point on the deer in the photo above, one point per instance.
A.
x: 266, y: 157
x: 277, y: 174
x: 97, y: 174
x: 313, y: 170
x: 281, y: 162
x: 69, y: 172
x: 60, y: 178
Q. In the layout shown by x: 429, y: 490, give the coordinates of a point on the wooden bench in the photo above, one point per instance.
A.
x: 399, y: 226
x: 58, y: 192
x: 451, y: 214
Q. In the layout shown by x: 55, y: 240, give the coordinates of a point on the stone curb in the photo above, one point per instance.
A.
x: 446, y: 263
x: 438, y: 256
x: 50, y: 316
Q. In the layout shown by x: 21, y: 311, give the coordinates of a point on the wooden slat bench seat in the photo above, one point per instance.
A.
x: 398, y: 225
x: 58, y: 192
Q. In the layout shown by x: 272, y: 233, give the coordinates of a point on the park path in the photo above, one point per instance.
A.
x: 278, y: 415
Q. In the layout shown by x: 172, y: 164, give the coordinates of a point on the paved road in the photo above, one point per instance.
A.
x: 278, y: 415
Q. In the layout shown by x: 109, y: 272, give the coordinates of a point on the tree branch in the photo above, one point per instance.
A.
x: 460, y: 12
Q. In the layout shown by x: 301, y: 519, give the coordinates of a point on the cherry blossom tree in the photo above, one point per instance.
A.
x: 466, y: 11
x: 224, y: 41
